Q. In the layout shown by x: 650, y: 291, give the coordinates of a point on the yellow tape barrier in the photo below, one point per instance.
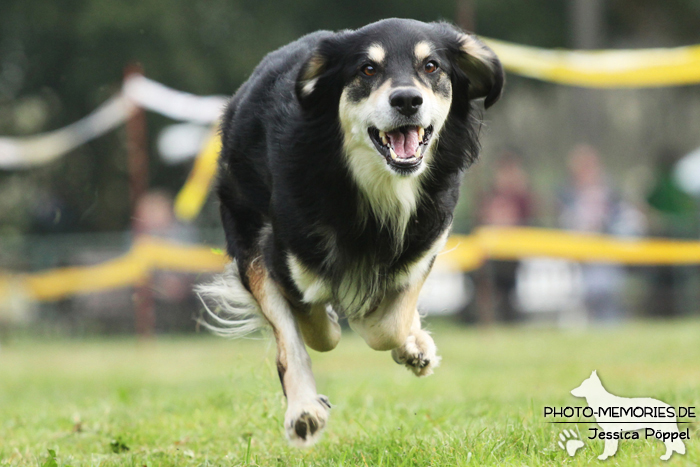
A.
x: 602, y: 68
x: 462, y: 253
x: 191, y: 198
x: 468, y: 252
x: 147, y: 255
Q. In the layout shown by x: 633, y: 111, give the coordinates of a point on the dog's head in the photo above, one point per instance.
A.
x: 590, y: 386
x: 395, y: 84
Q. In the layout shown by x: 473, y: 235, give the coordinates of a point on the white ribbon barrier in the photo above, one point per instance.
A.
x: 178, y: 105
x: 26, y: 152
x: 23, y: 153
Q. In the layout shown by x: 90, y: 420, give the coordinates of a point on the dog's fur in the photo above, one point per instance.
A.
x: 321, y: 216
x: 598, y: 397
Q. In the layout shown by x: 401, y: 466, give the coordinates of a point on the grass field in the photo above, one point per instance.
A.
x: 207, y: 401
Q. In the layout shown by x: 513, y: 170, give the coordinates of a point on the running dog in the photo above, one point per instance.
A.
x: 341, y: 163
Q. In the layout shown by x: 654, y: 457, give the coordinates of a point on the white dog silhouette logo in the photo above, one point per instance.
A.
x: 617, y: 415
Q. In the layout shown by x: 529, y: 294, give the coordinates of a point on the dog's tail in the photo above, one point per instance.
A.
x: 229, y: 309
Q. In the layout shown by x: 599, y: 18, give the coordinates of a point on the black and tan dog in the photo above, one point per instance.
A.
x: 340, y: 170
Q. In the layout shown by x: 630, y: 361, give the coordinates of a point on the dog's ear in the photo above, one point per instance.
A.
x: 309, y: 75
x: 482, y: 68
x: 476, y: 64
x: 316, y: 82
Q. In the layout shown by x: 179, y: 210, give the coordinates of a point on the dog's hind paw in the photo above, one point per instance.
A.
x: 305, y: 420
x: 418, y: 354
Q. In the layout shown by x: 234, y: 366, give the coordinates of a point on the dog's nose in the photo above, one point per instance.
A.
x: 406, y: 101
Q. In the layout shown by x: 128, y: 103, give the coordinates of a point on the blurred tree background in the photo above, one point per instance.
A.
x: 61, y: 59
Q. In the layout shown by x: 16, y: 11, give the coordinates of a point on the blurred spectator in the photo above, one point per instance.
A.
x: 509, y: 202
x: 589, y: 204
x: 674, y: 215
x: 169, y: 293
x: 674, y: 212
x: 154, y: 216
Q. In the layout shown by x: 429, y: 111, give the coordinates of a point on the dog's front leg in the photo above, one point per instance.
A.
x: 395, y: 325
x: 307, y: 411
x: 418, y: 352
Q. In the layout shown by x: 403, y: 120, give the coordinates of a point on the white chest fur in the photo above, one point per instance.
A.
x: 317, y: 290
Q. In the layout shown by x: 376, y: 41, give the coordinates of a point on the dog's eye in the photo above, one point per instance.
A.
x: 369, y: 70
x: 431, y: 67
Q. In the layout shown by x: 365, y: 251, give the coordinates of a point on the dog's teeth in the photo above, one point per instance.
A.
x: 418, y: 151
x: 393, y: 154
x: 382, y: 135
x: 421, y: 133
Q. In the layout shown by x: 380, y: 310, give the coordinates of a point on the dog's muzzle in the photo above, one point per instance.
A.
x: 403, y: 147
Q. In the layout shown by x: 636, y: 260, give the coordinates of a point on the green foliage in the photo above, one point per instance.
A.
x: 51, y: 461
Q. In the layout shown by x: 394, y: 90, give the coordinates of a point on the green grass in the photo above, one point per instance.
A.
x: 207, y: 401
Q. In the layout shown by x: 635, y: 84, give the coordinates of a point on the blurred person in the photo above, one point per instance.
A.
x: 170, y: 293
x: 154, y: 216
x: 589, y: 204
x: 674, y: 214
x: 510, y: 202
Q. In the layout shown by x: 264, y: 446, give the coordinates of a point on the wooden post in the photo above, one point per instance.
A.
x: 137, y: 147
x: 465, y: 16
x: 587, y: 32
x: 137, y: 163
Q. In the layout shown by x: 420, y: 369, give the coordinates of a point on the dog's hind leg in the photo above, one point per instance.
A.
x: 307, y: 411
x: 319, y: 326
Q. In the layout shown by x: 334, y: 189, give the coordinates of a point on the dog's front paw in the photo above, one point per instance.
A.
x: 305, y: 420
x: 418, y: 353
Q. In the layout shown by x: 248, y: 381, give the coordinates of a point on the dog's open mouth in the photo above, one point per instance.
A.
x: 402, y: 147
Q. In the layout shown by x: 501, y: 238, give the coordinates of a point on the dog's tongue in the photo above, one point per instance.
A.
x: 405, y: 141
